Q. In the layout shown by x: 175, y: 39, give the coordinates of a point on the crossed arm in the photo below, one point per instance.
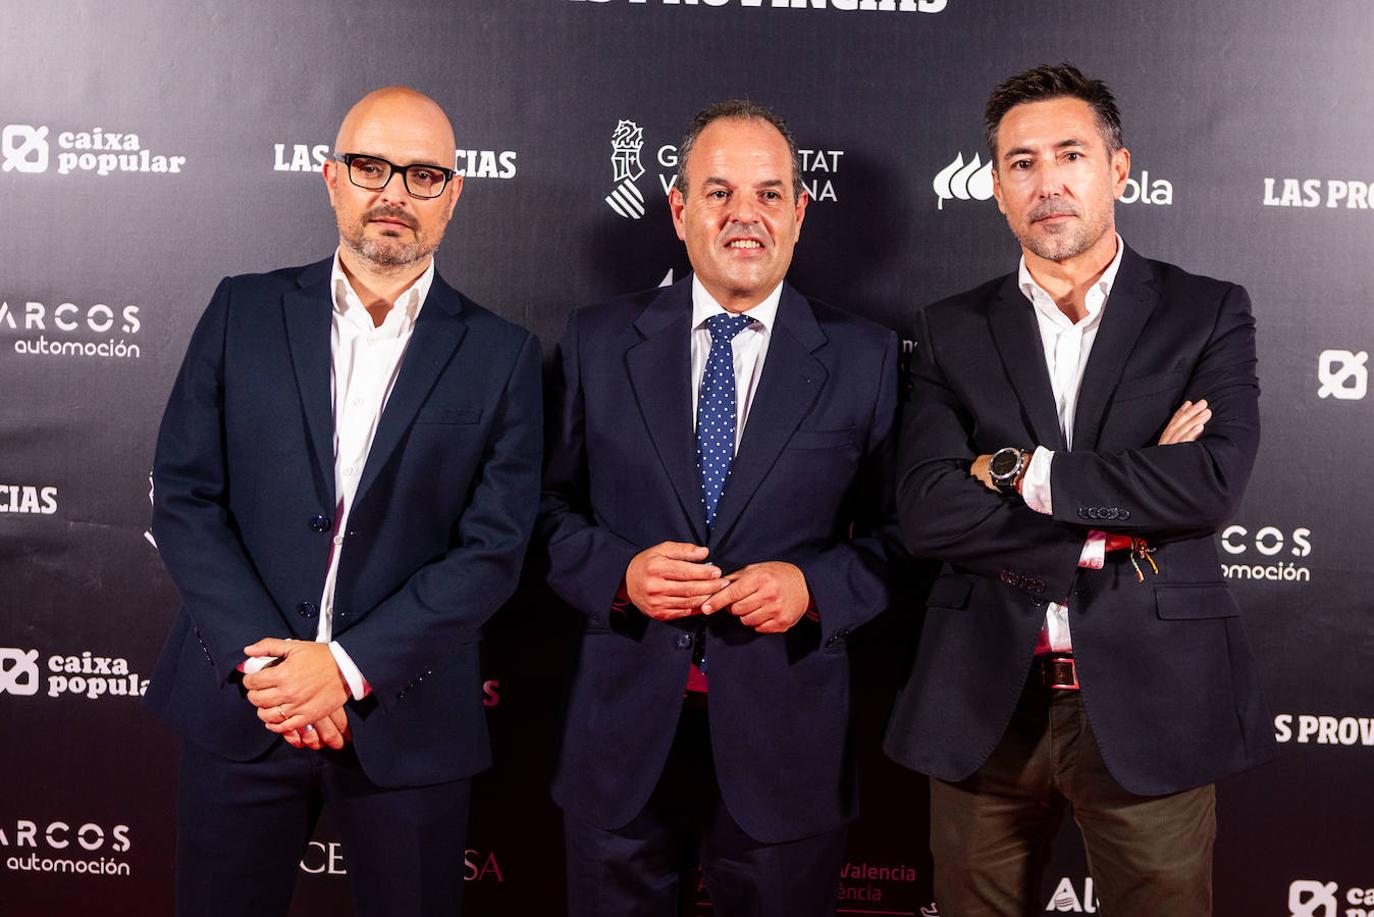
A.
x: 1186, y: 481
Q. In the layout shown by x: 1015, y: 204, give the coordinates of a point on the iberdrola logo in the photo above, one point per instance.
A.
x: 964, y: 181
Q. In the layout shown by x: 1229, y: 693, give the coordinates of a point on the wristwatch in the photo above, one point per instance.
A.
x: 1006, y: 468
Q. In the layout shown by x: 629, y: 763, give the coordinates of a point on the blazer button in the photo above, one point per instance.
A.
x: 307, y: 609
x: 319, y: 523
x: 683, y: 641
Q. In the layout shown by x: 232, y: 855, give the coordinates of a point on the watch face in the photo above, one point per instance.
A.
x: 1004, y: 462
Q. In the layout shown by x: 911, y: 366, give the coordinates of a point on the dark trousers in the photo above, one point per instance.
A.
x: 648, y: 867
x: 242, y: 828
x: 990, y: 834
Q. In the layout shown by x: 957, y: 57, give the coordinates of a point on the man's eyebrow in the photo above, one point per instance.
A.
x: 1061, y: 145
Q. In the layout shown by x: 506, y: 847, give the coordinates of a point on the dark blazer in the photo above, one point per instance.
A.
x: 811, y: 484
x: 244, y: 498
x: 1167, y: 676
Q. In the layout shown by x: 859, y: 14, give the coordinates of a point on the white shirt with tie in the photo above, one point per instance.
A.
x: 750, y: 348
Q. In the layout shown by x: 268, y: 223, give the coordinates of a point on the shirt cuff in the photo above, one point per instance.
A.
x: 357, y: 685
x: 1035, y: 483
x: 256, y: 664
x: 1094, y: 550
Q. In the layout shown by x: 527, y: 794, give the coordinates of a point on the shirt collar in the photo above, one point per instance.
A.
x: 704, y: 306
x: 1093, y: 301
x: 407, y: 305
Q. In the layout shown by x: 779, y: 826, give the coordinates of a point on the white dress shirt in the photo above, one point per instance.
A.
x: 1067, y: 346
x: 366, y: 362
x: 750, y: 348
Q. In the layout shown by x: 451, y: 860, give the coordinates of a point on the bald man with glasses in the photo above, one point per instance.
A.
x: 346, y: 478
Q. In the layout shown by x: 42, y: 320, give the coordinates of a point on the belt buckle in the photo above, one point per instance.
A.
x: 1060, y: 673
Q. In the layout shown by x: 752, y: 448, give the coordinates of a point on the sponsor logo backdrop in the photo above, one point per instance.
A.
x: 147, y: 151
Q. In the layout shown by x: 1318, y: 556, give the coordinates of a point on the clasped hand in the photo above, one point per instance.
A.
x: 303, y: 688
x: 672, y: 580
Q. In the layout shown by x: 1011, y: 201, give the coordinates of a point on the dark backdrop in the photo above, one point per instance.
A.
x: 1250, y: 124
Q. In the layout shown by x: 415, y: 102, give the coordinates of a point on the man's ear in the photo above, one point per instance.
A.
x: 676, y: 204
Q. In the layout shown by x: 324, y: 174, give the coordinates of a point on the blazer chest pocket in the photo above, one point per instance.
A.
x: 1194, y: 601
x: 949, y: 592
x: 460, y: 414
x: 821, y: 439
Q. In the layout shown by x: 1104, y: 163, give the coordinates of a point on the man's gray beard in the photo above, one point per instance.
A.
x: 388, y: 253
x: 1062, y: 248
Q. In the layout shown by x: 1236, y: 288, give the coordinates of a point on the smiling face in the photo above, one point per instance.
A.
x: 389, y: 227
x: 1056, y: 179
x: 738, y: 218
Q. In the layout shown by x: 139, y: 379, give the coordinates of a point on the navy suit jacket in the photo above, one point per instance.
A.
x: 1166, y: 672
x: 811, y: 484
x: 244, y: 495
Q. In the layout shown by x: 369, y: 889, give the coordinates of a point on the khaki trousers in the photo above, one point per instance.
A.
x: 991, y: 833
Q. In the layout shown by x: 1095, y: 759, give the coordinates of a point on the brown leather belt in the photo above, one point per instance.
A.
x: 1056, y: 671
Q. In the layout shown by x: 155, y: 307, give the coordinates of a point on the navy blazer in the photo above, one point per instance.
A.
x: 811, y: 484
x: 1167, y: 676
x: 244, y: 500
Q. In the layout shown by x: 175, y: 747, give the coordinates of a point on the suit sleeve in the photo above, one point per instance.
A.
x: 196, y: 534
x: 848, y: 580
x: 1186, y: 486
x: 447, y: 601
x: 947, y: 515
x: 586, y: 561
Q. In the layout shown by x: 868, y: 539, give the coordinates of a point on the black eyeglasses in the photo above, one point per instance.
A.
x: 373, y: 172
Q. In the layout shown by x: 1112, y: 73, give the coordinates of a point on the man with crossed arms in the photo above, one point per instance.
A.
x: 1080, y: 649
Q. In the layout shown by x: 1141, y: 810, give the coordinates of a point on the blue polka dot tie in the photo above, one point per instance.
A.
x: 716, y: 411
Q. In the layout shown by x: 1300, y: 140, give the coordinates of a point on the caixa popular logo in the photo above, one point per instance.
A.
x: 28, y: 149
x: 69, y: 329
x: 64, y: 845
x: 326, y: 858
x: 1314, y: 898
x: 18, y: 671
x: 308, y: 157
x: 971, y: 180
x: 86, y: 675
x: 819, y: 170
x: 1263, y: 552
x: 1343, y: 374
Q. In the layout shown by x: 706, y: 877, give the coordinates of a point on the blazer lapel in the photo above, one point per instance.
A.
x: 438, y: 332
x: 1017, y: 336
x: 1133, y: 298
x: 792, y: 379
x: 660, y: 368
x: 307, y: 313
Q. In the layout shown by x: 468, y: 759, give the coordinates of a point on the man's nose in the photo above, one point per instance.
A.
x: 1051, y: 180
x: 745, y: 210
x: 395, y: 191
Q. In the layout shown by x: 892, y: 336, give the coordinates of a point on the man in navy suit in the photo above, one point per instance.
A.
x: 1080, y: 649
x: 718, y: 504
x: 346, y: 479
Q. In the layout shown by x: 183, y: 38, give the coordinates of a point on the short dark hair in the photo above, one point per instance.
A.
x: 1053, y: 82
x: 740, y: 109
